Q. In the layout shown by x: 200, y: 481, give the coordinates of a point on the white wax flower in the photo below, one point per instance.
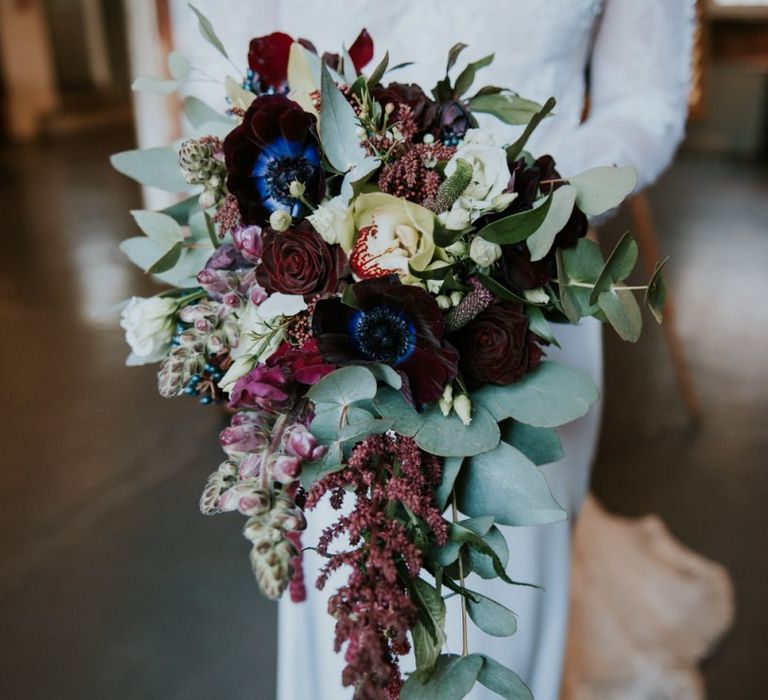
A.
x: 148, y: 325
x: 483, y: 252
x: 333, y: 221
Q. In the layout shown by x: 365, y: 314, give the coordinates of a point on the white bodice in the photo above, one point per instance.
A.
x: 639, y: 53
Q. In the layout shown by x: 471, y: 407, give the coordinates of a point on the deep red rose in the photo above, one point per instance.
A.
x: 299, y: 261
x: 496, y: 347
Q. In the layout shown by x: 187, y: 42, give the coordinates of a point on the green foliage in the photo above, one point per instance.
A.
x: 504, y: 483
x: 378, y: 73
x: 201, y: 114
x: 161, y: 228
x: 517, y: 227
x: 451, y: 468
x: 391, y: 404
x: 560, y: 209
x: 539, y: 325
x: 156, y: 86
x: 604, y: 188
x: 514, y: 151
x: 484, y: 564
x: 452, y: 679
x: 167, y: 261
x: 491, y: 617
x: 338, y: 126
x: 623, y: 313
x: 183, y: 210
x: 207, y: 32
x: 153, y: 167
x: 656, y: 294
x: 428, y: 633
x: 540, y: 445
x: 550, y: 395
x: 344, y: 386
x: 617, y: 268
x: 502, y: 681
x: 467, y: 76
x: 447, y: 436
x: 506, y: 106
x: 453, y: 55
x: 178, y: 65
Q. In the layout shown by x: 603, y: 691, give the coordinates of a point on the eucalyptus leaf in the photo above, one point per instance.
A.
x: 385, y: 373
x: 492, y: 617
x: 199, y: 113
x: 167, y: 261
x: 156, y: 86
x: 508, y: 107
x: 514, y: 151
x: 348, y: 71
x: 539, y: 325
x: 154, y: 167
x: 617, y: 268
x: 161, y: 228
x: 391, y: 404
x: 604, y: 188
x: 344, y: 386
x: 452, y: 679
x: 482, y: 563
x: 183, y: 210
x: 550, y: 395
x: 451, y: 468
x: 560, y: 210
x: 331, y: 418
x: 504, y: 483
x: 540, y: 445
x: 338, y: 126
x: 357, y: 176
x: 503, y: 681
x: 623, y: 313
x: 656, y: 293
x: 206, y: 29
x: 447, y: 436
x: 583, y: 262
x: 178, y: 65
x: 517, y: 227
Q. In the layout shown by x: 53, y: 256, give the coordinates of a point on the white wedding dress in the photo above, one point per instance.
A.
x: 639, y: 52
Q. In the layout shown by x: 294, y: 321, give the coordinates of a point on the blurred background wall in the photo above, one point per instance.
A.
x: 111, y: 583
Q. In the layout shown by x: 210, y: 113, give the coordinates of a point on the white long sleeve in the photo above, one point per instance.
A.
x: 640, y: 79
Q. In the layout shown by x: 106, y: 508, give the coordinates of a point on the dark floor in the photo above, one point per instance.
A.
x: 111, y: 583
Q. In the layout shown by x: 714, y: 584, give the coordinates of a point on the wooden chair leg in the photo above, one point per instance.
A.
x: 648, y: 245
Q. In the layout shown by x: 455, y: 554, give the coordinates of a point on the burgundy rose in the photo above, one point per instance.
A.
x: 299, y: 261
x: 496, y: 347
x: 305, y: 364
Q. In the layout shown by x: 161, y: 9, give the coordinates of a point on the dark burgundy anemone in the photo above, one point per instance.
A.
x: 398, y: 324
x: 423, y: 109
x: 516, y: 267
x: 275, y: 145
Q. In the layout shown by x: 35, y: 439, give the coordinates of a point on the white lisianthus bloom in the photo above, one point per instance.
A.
x: 481, y: 137
x: 536, y: 296
x: 260, y: 332
x: 148, y: 325
x: 483, y: 252
x: 457, y: 218
x: 333, y: 221
x: 490, y: 172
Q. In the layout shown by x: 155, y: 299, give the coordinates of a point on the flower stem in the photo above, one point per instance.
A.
x: 617, y: 287
x: 464, y: 630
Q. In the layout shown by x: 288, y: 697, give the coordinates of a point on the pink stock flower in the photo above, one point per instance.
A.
x: 262, y: 387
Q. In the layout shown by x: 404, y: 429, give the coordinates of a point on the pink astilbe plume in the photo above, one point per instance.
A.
x: 373, y: 611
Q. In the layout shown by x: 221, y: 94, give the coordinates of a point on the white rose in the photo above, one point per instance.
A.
x: 482, y: 137
x: 148, y: 325
x: 260, y: 333
x: 490, y: 175
x: 483, y: 252
x: 333, y: 221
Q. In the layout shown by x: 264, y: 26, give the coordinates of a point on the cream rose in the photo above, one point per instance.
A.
x: 148, y: 325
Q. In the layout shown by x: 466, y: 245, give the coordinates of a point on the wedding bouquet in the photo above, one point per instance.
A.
x: 367, y: 279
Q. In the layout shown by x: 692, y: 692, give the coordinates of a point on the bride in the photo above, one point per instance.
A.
x: 637, y: 57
